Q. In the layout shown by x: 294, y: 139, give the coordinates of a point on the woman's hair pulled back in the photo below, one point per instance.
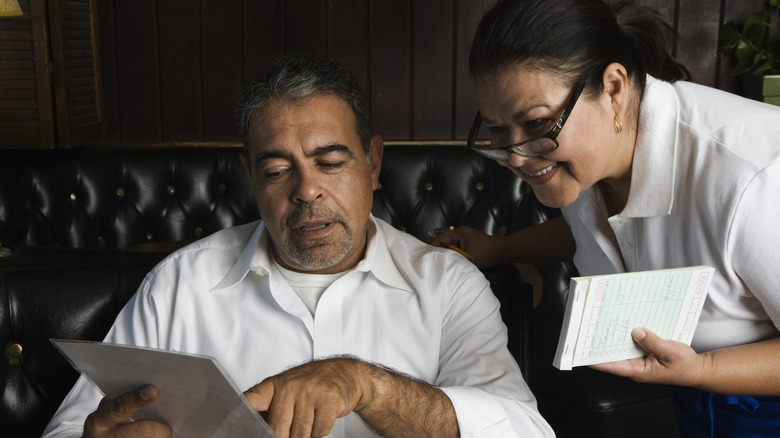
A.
x: 575, y: 37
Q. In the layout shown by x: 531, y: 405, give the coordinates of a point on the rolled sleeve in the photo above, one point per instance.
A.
x: 482, y: 415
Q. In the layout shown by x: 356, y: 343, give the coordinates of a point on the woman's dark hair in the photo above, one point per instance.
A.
x: 575, y: 37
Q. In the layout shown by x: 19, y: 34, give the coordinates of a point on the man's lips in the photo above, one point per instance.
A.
x: 313, y: 229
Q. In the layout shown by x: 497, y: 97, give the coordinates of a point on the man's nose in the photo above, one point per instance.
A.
x: 308, y: 185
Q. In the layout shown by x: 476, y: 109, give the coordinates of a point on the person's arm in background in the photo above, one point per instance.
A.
x: 752, y: 369
x: 548, y: 242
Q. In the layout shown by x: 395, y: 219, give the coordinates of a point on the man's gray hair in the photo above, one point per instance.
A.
x: 292, y: 79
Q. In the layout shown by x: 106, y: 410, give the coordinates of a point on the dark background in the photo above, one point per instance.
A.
x: 169, y: 72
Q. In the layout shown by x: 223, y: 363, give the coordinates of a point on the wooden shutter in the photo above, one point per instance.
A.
x: 78, y: 103
x: 26, y: 119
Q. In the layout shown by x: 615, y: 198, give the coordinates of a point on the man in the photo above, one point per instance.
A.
x: 352, y: 328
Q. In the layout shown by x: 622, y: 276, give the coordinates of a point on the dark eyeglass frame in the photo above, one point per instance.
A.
x: 518, y: 148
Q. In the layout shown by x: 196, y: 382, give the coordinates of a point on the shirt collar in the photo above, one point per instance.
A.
x: 377, y: 259
x: 652, y: 175
x: 251, y: 258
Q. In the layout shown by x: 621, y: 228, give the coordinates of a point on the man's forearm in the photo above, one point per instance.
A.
x: 401, y: 406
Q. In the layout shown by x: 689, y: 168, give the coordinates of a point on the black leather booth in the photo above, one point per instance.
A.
x: 81, y: 228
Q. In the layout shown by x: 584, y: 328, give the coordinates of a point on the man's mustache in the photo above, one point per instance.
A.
x: 310, y: 210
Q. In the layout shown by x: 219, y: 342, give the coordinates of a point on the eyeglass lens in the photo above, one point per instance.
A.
x: 535, y: 147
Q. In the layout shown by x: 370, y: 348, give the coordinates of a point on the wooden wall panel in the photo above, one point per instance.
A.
x: 264, y: 31
x: 432, y: 65
x: 223, y: 68
x: 390, y: 67
x: 174, y: 69
x: 138, y: 71
x: 349, y: 44
x: 306, y: 30
x: 181, y: 72
x: 467, y: 16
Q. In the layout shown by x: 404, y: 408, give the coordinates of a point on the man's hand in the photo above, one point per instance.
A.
x: 668, y: 362
x: 113, y: 417
x: 306, y: 400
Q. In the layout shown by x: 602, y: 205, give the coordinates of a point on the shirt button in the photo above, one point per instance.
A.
x: 628, y: 245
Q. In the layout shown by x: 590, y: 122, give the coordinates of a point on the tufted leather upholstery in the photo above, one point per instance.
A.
x: 69, y: 294
x: 86, y: 225
x: 118, y: 198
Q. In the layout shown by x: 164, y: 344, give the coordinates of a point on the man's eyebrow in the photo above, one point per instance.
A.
x: 319, y: 151
x: 324, y: 150
x: 259, y: 158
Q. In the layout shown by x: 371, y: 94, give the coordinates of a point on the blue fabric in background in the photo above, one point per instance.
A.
x: 705, y: 414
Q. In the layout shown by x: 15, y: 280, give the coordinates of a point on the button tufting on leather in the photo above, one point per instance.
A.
x: 198, y: 232
x: 149, y: 235
x: 480, y: 186
x: 402, y: 228
x: 120, y: 192
x: 171, y: 189
x: 502, y: 230
x: 429, y: 186
x: 221, y: 187
x: 72, y: 197
x: 13, y: 351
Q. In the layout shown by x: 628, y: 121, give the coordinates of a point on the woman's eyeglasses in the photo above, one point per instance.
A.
x: 533, y: 147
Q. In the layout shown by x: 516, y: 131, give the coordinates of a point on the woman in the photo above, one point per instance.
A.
x: 584, y: 103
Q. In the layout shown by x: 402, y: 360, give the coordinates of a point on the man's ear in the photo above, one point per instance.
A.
x: 245, y: 164
x: 377, y: 149
x: 616, y: 88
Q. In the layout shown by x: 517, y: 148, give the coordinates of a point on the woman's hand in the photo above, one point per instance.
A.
x: 668, y: 362
x: 481, y: 248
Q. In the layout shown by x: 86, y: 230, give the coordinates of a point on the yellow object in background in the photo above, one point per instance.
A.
x: 434, y: 233
x: 10, y: 8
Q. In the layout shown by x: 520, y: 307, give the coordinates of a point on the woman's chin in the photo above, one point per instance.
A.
x: 553, y: 200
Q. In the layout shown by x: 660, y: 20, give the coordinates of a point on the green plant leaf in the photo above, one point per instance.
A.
x: 750, y: 46
x: 728, y: 36
x: 745, y: 52
x: 762, y: 69
x: 755, y: 27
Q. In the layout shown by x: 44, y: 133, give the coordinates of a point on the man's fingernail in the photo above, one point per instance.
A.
x: 146, y: 393
x: 638, y: 334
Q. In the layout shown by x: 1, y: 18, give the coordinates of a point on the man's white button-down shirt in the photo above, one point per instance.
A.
x: 421, y: 310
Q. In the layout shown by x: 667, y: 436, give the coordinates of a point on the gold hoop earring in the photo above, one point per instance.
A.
x: 618, y: 125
